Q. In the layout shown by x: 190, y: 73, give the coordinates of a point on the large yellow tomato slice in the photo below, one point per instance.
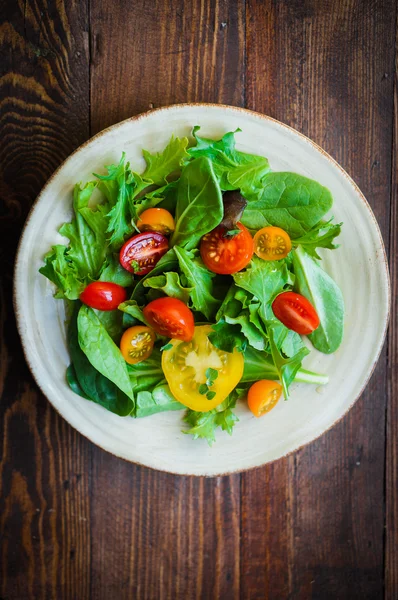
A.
x: 190, y: 366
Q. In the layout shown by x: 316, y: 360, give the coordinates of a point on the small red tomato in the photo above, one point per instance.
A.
x: 103, y: 295
x: 226, y: 254
x: 170, y: 317
x: 140, y: 253
x: 295, y: 312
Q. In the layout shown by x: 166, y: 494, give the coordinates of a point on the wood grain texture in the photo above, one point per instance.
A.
x: 44, y: 464
x: 391, y: 550
x: 76, y: 522
x: 330, y: 532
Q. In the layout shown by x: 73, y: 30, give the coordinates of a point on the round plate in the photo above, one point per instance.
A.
x: 359, y: 267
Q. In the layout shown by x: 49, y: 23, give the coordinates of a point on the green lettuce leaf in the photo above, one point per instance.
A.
x: 63, y: 272
x: 320, y: 236
x: 159, y: 400
x: 263, y: 278
x: 162, y: 164
x: 204, y: 424
x: 113, y: 272
x: 234, y: 169
x: 169, y: 284
x: 201, y: 281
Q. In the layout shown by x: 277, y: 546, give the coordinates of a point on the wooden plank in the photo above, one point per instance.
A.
x: 44, y: 509
x: 166, y: 537
x: 325, y: 69
x: 391, y: 556
x: 151, y: 54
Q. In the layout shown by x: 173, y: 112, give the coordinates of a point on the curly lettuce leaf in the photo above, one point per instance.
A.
x: 162, y: 164
x: 320, y: 236
x: 234, y: 169
x: 169, y: 284
x: 204, y: 424
x: 263, y: 278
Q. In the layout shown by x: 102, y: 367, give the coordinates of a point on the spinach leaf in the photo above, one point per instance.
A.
x: 199, y: 204
x: 325, y: 296
x: 112, y: 321
x: 86, y: 381
x: 113, y: 272
x: 320, y: 236
x: 204, y: 424
x: 159, y: 400
x: 163, y: 164
x: 201, y: 281
x: 169, y: 284
x: 290, y: 201
x: 101, y: 351
x: 234, y: 169
x: 148, y: 374
x: 263, y: 278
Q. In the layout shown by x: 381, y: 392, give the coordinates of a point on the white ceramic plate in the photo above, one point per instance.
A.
x: 358, y: 266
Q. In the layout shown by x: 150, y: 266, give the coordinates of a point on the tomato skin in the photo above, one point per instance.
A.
x: 185, y: 366
x: 272, y: 243
x: 103, y: 295
x: 170, y: 317
x: 295, y: 312
x: 263, y: 396
x: 144, y: 248
x: 137, y: 343
x: 226, y: 255
x: 156, y: 219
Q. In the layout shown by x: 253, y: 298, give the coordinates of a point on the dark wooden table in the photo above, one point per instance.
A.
x: 78, y: 523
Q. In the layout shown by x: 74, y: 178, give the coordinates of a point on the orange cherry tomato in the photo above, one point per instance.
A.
x: 263, y: 396
x: 103, y: 295
x: 156, y: 219
x: 226, y: 254
x: 272, y: 243
x: 170, y: 317
x: 136, y: 344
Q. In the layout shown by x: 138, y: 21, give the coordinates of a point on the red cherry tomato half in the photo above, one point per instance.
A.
x: 140, y: 253
x: 170, y: 317
x: 295, y: 312
x: 103, y: 295
x: 226, y: 254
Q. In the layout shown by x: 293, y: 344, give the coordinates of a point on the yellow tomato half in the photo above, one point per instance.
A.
x: 187, y: 366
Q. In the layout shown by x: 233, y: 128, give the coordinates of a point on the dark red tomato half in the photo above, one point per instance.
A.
x: 140, y: 253
x: 225, y: 254
x: 295, y: 312
x: 103, y: 295
x: 170, y: 317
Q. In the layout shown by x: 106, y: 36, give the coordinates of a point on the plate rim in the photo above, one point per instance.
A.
x: 16, y: 275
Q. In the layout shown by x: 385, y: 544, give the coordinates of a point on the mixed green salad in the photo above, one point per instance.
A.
x: 189, y: 286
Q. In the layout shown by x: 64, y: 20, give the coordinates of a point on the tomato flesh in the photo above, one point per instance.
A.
x: 156, y: 219
x: 272, y: 243
x: 263, y: 396
x: 140, y: 253
x: 170, y: 317
x: 136, y: 344
x: 295, y: 312
x: 103, y: 295
x: 186, y: 366
x: 226, y: 254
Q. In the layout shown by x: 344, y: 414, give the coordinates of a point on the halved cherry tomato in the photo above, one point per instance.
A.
x: 156, y: 219
x: 103, y: 295
x: 263, y: 396
x: 137, y: 344
x: 272, y: 243
x: 295, y: 312
x: 170, y: 317
x: 140, y: 253
x: 200, y: 375
x: 226, y: 254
